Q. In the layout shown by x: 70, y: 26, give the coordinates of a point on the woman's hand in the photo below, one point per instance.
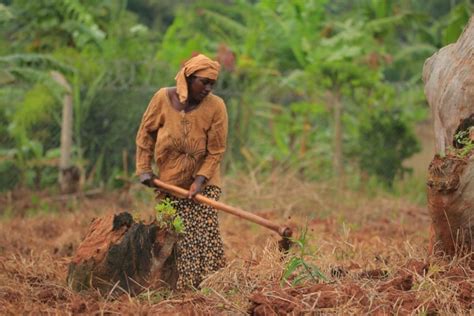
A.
x: 196, y: 187
x: 147, y: 179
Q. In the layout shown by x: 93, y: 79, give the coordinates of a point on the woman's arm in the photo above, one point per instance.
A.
x: 216, y: 143
x: 146, y: 139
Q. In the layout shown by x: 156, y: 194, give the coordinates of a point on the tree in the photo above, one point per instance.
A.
x: 68, y: 174
x: 32, y: 69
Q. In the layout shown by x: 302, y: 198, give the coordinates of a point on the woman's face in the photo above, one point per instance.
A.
x: 200, y: 87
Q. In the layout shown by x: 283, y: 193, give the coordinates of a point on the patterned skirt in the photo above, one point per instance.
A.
x: 199, y: 250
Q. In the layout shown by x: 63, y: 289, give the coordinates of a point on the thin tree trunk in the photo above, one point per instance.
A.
x: 66, y: 133
x: 68, y: 174
x: 304, y: 138
x: 338, y: 132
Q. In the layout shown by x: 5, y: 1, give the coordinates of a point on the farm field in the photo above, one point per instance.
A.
x: 368, y: 255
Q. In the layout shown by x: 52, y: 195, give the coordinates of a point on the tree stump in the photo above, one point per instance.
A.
x: 451, y: 202
x: 449, y: 88
x: 119, y: 255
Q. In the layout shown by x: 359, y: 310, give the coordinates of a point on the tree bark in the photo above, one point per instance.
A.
x: 449, y: 88
x: 119, y: 255
x: 68, y: 174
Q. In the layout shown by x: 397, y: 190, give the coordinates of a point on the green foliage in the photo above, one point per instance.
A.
x: 385, y: 141
x: 167, y: 217
x: 37, y: 109
x: 10, y: 174
x: 35, y: 61
x: 49, y: 24
x: 179, y: 41
x: 290, y: 60
x: 29, y: 134
x: 5, y: 14
x: 33, y: 69
x: 115, y: 117
x: 34, y: 118
x: 457, y: 19
x: 155, y: 296
x: 465, y: 142
x: 298, y: 269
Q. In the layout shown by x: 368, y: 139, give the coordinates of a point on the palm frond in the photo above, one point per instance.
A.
x: 5, y: 13
x: 225, y: 23
x: 34, y: 76
x: 408, y: 52
x: 35, y: 61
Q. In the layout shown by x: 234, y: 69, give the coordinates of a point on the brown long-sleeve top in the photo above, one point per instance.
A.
x: 183, y: 144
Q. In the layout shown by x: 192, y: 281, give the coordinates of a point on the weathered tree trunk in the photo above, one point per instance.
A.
x: 68, y: 174
x: 449, y: 87
x: 121, y: 256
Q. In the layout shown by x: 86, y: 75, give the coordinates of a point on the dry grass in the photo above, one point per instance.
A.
x: 372, y: 250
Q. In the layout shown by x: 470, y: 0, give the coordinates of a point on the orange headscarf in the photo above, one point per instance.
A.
x: 199, y: 65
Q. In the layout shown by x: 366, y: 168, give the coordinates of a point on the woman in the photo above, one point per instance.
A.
x: 185, y: 129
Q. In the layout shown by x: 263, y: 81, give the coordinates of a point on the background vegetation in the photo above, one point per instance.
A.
x: 325, y: 88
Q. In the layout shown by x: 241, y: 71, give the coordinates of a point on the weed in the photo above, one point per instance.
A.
x: 155, y: 296
x: 299, y: 265
x: 206, y: 291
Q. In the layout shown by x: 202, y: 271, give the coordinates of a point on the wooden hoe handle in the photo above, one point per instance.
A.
x: 281, y: 230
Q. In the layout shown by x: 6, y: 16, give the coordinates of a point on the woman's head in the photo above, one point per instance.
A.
x: 199, y: 87
x: 196, y: 78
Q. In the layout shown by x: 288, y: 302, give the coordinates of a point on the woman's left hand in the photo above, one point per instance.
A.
x: 196, y: 187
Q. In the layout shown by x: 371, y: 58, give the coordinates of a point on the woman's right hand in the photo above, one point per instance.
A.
x: 147, y: 179
x: 196, y: 187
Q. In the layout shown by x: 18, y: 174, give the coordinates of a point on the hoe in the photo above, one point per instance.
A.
x: 284, y: 231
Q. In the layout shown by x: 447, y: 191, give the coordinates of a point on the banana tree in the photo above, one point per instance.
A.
x: 44, y: 27
x: 38, y: 71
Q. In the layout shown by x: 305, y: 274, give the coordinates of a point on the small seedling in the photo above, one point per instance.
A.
x: 167, y: 217
x: 206, y: 291
x: 299, y: 267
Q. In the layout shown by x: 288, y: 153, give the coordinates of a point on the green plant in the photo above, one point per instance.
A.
x: 167, y: 217
x: 385, y: 141
x: 465, y: 142
x: 155, y: 296
x: 298, y: 269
